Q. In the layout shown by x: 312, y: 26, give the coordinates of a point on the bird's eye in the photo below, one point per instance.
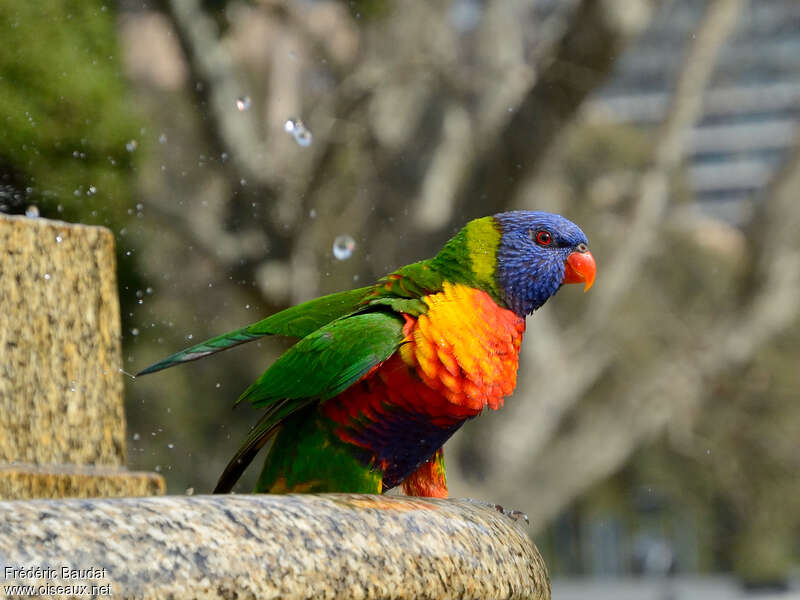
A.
x: 543, y: 238
x: 582, y: 247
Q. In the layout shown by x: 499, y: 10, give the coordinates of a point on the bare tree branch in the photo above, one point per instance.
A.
x: 654, y: 186
x: 217, y: 79
x: 581, y: 62
x: 569, y: 380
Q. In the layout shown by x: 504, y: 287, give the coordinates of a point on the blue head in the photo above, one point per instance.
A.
x: 537, y: 253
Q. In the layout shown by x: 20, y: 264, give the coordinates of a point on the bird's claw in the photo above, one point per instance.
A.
x: 512, y: 514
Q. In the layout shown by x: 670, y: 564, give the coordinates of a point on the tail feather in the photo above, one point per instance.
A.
x: 296, y: 321
x: 259, y: 435
x: 212, y: 346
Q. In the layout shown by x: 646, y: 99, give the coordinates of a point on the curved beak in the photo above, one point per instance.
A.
x: 580, y: 268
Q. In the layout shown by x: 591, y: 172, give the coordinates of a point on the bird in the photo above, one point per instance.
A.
x: 383, y: 375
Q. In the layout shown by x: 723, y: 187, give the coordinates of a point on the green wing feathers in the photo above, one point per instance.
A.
x: 329, y: 360
x: 321, y: 365
x: 297, y: 321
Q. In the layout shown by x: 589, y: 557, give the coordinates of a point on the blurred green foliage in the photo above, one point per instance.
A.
x: 64, y: 118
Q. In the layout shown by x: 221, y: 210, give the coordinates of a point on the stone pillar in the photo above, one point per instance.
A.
x: 62, y: 420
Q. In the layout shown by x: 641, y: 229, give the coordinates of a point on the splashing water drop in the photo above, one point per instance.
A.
x: 131, y: 146
x: 59, y: 239
x: 91, y: 191
x: 136, y: 437
x: 298, y: 130
x: 47, y: 276
x: 243, y: 102
x: 170, y: 446
x: 343, y: 247
x: 134, y: 331
x: 32, y: 211
x: 303, y: 137
x: 162, y: 139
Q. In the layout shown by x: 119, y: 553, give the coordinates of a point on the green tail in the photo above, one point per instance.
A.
x: 297, y: 321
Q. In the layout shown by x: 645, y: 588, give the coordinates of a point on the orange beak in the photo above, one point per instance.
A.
x: 580, y: 268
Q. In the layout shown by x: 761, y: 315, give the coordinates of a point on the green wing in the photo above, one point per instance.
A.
x: 297, y: 321
x: 321, y: 365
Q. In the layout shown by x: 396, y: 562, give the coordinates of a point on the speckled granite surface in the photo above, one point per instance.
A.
x: 60, y: 386
x: 261, y: 546
x: 24, y: 482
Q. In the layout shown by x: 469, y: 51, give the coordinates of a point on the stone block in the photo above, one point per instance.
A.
x: 25, y: 482
x: 263, y: 546
x: 60, y: 385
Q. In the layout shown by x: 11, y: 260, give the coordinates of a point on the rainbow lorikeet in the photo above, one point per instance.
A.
x: 383, y: 375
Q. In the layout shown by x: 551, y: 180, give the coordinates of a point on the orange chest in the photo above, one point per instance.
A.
x: 466, y: 347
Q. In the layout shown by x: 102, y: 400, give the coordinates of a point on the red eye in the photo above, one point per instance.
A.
x: 543, y: 238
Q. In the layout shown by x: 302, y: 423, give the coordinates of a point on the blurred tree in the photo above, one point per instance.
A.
x: 67, y: 134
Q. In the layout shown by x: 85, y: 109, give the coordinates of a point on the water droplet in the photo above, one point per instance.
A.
x: 47, y: 276
x: 298, y: 130
x: 313, y: 213
x: 162, y: 139
x: 343, y: 247
x: 219, y: 385
x: 131, y: 146
x: 59, y: 239
x: 136, y: 437
x: 134, y: 331
x: 190, y: 336
x: 149, y: 291
x: 243, y: 102
x: 91, y: 191
x: 32, y: 211
x: 190, y: 491
x: 158, y: 468
x: 170, y: 446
